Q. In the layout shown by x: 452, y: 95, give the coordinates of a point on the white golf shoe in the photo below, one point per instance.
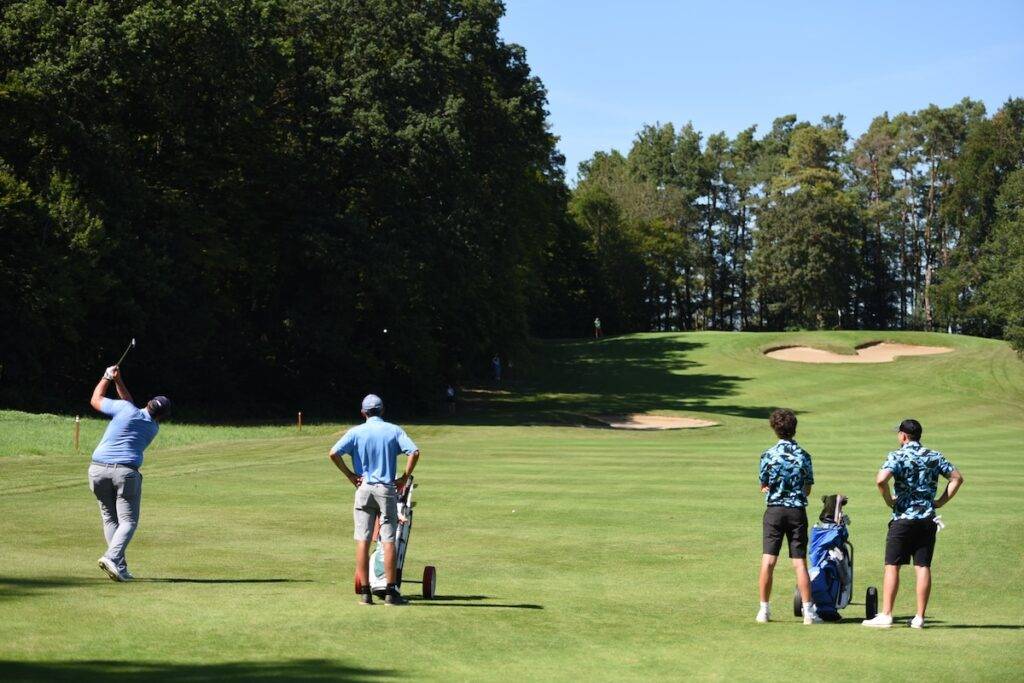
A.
x: 108, y: 566
x: 917, y: 622
x: 880, y: 621
x: 812, y: 618
x: 764, y: 615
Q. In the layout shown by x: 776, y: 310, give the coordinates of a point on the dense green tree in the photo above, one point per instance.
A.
x: 257, y: 189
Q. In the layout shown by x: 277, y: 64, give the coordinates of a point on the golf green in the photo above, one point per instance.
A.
x: 564, y: 550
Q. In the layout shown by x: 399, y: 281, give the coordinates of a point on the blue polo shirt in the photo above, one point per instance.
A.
x: 373, y: 446
x: 915, y: 471
x: 785, y: 469
x: 129, y: 433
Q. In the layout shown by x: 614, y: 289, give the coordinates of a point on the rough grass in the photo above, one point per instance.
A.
x: 563, y: 552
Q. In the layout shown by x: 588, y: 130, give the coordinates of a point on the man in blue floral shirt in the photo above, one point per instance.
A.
x: 915, y: 472
x: 786, y: 477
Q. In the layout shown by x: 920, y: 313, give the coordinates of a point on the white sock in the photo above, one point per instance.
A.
x: 809, y: 608
x: 764, y: 605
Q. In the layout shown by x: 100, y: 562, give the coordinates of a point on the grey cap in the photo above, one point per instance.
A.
x: 372, y: 402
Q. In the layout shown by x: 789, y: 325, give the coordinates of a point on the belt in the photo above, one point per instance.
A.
x: 115, y: 464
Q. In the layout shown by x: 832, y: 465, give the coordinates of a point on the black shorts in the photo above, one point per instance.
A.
x: 910, y: 538
x: 782, y: 521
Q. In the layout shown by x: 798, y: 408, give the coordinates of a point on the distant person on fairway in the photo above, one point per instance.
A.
x: 496, y: 366
x: 373, y: 447
x: 450, y: 397
x: 114, y: 475
x: 786, y: 477
x: 597, y: 328
x: 915, y: 471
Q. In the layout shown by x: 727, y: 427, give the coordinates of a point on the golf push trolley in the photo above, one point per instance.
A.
x: 378, y: 578
x: 830, y: 564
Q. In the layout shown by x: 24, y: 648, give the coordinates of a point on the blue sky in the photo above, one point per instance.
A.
x: 611, y: 67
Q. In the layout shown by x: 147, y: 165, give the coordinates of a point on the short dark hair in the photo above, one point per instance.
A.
x: 374, y: 412
x: 783, y: 422
x: 911, y: 428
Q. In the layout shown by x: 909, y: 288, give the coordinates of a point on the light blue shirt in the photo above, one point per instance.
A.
x: 373, y: 446
x: 129, y: 433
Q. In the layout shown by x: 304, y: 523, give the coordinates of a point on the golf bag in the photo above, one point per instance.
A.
x: 378, y: 577
x: 830, y: 563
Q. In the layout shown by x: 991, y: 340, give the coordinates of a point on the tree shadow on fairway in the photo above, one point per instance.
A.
x: 117, y: 672
x: 185, y: 580
x: 14, y: 587
x: 576, y: 380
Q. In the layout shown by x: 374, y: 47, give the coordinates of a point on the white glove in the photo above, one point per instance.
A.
x: 938, y: 522
x: 108, y: 374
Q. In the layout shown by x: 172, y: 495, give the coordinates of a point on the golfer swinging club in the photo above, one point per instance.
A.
x: 373, y: 447
x: 915, y: 471
x: 114, y: 475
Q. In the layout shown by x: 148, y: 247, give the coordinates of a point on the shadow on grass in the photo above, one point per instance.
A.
x: 115, y: 671
x: 615, y: 376
x: 1005, y: 627
x: 13, y: 587
x: 184, y: 580
x: 466, y: 601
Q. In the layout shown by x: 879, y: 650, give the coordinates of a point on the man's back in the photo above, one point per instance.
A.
x: 130, y: 431
x: 373, y: 446
x: 786, y: 469
x: 915, y: 471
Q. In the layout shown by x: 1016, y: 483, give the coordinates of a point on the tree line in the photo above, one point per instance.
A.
x: 916, y: 224
x: 290, y: 203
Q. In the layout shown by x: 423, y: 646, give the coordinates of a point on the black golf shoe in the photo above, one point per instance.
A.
x: 366, y: 599
x: 395, y: 599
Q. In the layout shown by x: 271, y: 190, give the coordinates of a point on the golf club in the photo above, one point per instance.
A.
x: 131, y: 346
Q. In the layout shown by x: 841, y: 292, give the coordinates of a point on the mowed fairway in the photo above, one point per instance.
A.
x: 563, y: 551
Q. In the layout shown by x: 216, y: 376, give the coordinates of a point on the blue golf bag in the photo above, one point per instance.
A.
x: 830, y: 564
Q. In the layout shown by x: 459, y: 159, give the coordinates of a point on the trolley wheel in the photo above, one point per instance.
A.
x: 429, y: 582
x: 871, y: 602
x: 798, y: 605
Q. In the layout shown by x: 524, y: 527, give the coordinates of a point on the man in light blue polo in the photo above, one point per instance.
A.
x: 114, y: 475
x: 373, y: 447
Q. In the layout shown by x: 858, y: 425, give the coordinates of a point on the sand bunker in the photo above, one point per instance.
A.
x: 882, y: 352
x: 641, y: 421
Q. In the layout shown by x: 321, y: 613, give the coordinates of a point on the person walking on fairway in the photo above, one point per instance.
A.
x: 373, y: 447
x: 114, y: 475
x: 915, y: 471
x: 496, y: 366
x: 597, y: 328
x: 786, y: 476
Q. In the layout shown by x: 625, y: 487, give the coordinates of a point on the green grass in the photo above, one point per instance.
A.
x: 563, y: 552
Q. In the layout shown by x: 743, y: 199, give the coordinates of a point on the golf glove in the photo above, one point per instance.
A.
x: 939, y: 523
x: 109, y: 373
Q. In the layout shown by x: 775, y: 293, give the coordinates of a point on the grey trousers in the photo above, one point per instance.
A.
x: 119, y: 492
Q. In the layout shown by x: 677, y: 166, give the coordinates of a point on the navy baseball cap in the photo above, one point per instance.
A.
x: 372, y: 402
x: 910, y: 427
x: 159, y: 406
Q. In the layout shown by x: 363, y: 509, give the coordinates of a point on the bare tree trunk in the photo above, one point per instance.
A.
x: 928, y: 247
